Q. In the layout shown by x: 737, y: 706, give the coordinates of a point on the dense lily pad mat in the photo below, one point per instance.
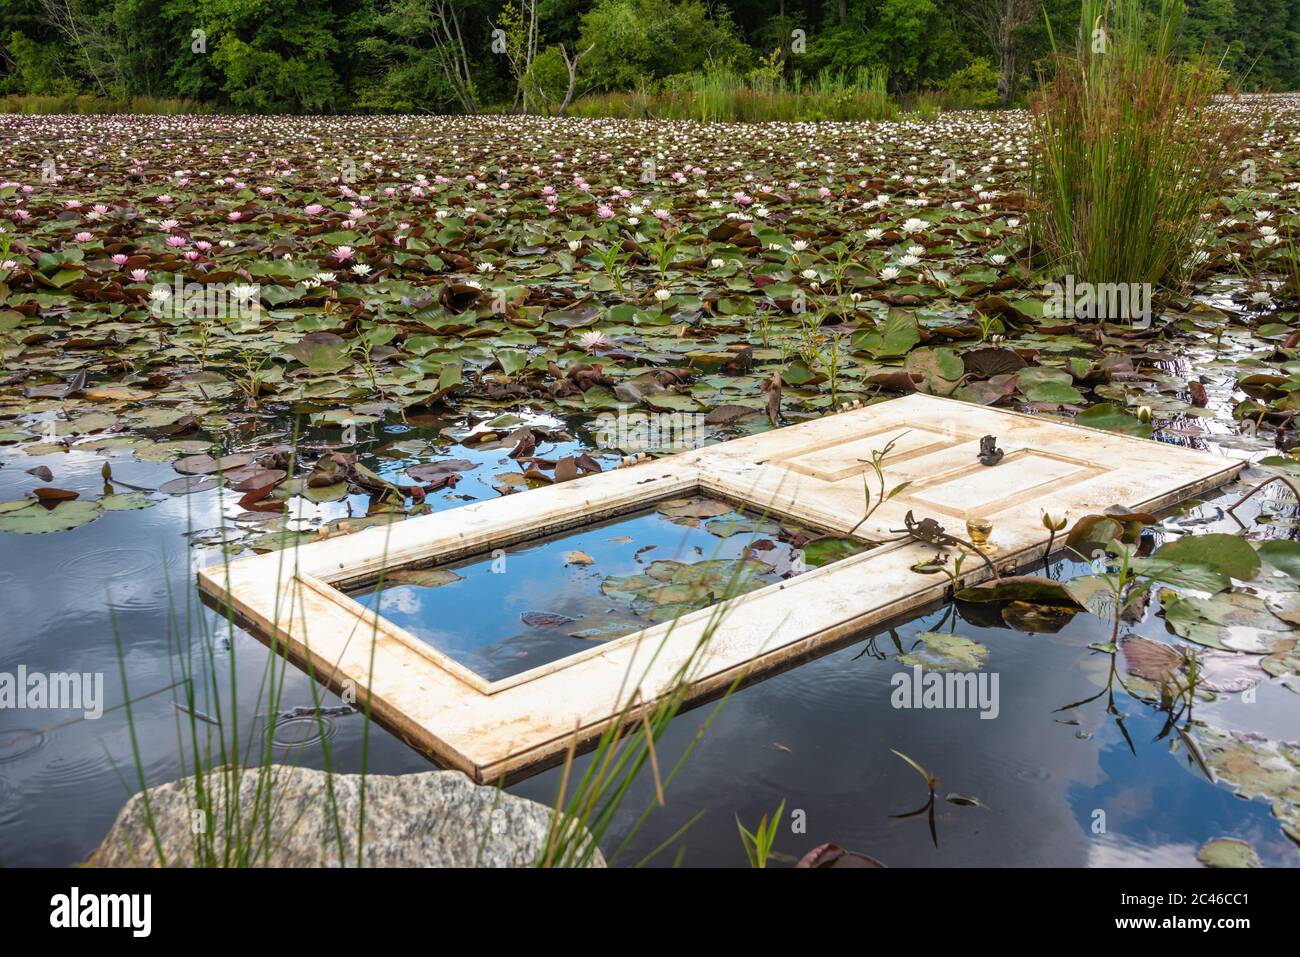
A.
x: 166, y: 279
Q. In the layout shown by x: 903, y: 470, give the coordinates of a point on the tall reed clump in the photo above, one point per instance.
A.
x: 1129, y: 149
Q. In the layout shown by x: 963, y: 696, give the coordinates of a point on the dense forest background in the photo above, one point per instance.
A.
x: 328, y: 56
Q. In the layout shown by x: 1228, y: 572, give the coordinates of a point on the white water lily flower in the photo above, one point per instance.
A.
x: 663, y: 295
x: 717, y: 263
x: 908, y: 260
x: 889, y: 273
x: 914, y: 225
x: 590, y: 341
x: 1055, y: 521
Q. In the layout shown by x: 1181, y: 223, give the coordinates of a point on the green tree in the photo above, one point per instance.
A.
x: 636, y: 40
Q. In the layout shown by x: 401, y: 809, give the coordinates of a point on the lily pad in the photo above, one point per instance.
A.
x: 1028, y: 588
x: 1108, y: 416
x: 207, y: 465
x: 943, y: 651
x: 37, y: 519
x: 127, y: 502
x: 1228, y: 852
x: 1229, y: 554
x: 824, y: 551
x: 424, y: 577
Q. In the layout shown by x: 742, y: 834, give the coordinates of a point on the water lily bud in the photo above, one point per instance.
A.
x: 1054, y: 522
x: 1144, y: 413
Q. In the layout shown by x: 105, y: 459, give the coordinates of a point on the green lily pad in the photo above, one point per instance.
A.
x: 741, y: 525
x: 126, y: 502
x: 613, y: 629
x: 1229, y: 554
x: 37, y: 519
x: 1108, y: 416
x: 1228, y: 852
x: 424, y: 577
x: 942, y: 651
x: 1282, y: 554
x: 696, y: 507
x: 1255, y: 767
x: 824, y: 551
x: 895, y: 337
x: 1027, y: 588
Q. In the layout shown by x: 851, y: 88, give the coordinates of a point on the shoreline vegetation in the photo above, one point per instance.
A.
x: 719, y: 95
x: 655, y: 59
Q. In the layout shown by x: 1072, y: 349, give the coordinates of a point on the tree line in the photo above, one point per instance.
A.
x: 331, y: 56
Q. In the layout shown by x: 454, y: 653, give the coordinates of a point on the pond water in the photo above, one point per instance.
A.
x: 522, y: 607
x: 1055, y: 782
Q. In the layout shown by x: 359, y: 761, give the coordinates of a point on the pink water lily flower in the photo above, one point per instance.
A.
x: 84, y: 237
x: 139, y: 275
x: 343, y: 253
